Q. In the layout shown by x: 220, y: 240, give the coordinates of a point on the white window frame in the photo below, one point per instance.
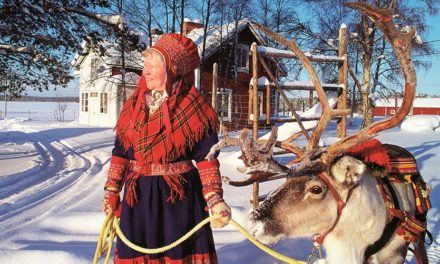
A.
x: 84, y: 102
x: 224, y: 98
x: 103, y: 103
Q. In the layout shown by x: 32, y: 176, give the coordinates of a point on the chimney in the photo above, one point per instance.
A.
x: 189, y: 25
x: 155, y: 34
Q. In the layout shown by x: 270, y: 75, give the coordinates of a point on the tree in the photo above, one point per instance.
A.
x: 38, y: 39
x: 367, y: 46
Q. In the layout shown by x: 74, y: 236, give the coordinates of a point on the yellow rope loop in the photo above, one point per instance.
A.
x: 161, y: 249
x: 112, y: 222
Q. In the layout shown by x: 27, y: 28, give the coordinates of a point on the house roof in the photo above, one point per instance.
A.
x: 215, y: 36
x: 218, y: 34
x: 111, y: 57
x: 418, y: 102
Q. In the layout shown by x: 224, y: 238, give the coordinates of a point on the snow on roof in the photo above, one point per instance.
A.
x: 418, y: 102
x: 215, y: 35
x: 219, y: 34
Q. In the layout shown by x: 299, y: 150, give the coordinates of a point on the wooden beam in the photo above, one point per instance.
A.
x: 255, y: 90
x: 214, y: 86
x: 341, y: 130
x: 271, y: 52
x: 267, y: 104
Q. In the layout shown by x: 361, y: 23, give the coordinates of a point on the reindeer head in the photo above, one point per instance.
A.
x: 304, y: 205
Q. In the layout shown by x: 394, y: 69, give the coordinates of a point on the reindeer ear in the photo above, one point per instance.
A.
x: 348, y: 170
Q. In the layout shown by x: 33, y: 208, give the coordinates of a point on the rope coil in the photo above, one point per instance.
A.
x: 110, y: 228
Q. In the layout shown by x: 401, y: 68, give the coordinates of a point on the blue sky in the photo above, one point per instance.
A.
x: 429, y: 81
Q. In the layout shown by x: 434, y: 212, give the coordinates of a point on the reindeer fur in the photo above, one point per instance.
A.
x: 303, y: 207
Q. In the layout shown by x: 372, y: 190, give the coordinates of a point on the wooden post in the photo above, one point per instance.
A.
x: 255, y: 192
x: 310, y: 98
x: 250, y: 107
x: 214, y: 86
x: 342, y: 79
x: 255, y: 186
x: 255, y: 90
x: 268, y: 104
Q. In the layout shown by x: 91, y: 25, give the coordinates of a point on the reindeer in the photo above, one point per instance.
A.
x: 331, y: 195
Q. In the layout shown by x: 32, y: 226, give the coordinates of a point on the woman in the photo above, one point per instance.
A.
x: 163, y: 126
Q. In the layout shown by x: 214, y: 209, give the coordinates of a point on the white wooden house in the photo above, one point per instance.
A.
x: 100, y: 84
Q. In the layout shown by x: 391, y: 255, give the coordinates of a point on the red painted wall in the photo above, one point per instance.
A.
x: 387, y: 111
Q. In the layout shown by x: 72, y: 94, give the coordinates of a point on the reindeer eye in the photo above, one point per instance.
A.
x: 316, y: 190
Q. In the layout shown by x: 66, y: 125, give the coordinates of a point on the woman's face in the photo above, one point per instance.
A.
x: 154, y: 72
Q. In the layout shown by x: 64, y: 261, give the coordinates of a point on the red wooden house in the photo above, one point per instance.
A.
x: 229, y: 47
x: 421, y: 106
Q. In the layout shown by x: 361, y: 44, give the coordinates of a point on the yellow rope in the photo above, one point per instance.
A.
x: 269, y: 251
x: 161, y: 249
x: 112, y: 221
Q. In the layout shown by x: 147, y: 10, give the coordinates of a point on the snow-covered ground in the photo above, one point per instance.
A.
x: 52, y: 174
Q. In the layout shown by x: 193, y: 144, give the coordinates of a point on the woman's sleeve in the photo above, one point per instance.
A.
x: 204, y: 146
x: 118, y: 150
x: 209, y: 171
x: 118, y: 168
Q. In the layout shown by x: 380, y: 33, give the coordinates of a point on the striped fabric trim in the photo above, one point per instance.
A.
x: 403, y: 165
x: 190, y: 259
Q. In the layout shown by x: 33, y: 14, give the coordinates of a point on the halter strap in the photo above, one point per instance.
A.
x: 319, y: 239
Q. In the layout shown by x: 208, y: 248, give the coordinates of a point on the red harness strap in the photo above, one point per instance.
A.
x: 319, y: 239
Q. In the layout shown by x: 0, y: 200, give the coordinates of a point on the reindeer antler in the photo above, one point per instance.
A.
x: 401, y: 43
x: 259, y: 161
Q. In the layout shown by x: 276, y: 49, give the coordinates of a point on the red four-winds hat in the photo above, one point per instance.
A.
x: 179, y: 52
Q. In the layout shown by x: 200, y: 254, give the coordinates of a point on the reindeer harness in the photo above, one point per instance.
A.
x: 409, y: 226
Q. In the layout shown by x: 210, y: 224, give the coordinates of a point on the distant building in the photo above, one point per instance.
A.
x: 421, y: 106
x: 100, y: 84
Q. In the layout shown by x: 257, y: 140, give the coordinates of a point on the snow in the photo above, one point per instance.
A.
x: 287, y: 129
x: 52, y: 175
x: 420, y: 123
x: 289, y: 53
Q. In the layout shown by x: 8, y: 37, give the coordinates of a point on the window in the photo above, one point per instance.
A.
x: 242, y: 58
x: 94, y: 69
x: 261, y: 106
x: 94, y: 94
x: 224, y: 104
x: 85, y: 102
x: 103, y: 103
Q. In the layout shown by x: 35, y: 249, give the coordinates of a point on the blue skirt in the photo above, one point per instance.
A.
x: 153, y: 222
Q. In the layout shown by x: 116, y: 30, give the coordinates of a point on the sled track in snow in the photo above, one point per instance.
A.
x: 62, y: 168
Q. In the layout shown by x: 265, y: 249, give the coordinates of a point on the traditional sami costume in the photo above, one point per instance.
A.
x: 164, y: 193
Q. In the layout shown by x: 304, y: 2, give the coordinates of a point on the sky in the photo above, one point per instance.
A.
x: 427, y: 81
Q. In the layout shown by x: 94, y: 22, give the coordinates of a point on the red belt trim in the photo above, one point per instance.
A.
x: 171, y: 173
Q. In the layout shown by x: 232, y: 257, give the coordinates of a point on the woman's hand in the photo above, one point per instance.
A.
x: 220, y: 210
x: 111, y: 203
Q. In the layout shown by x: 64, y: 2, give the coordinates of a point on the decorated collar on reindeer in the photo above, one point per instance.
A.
x: 180, y: 121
